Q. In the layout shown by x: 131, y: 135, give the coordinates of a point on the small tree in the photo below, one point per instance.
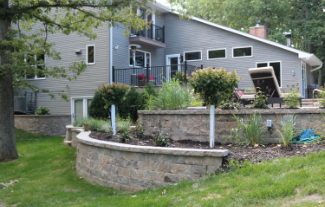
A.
x: 113, y: 94
x: 214, y: 85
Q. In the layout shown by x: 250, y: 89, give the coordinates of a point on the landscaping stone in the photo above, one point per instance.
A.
x: 43, y: 124
x: 132, y: 167
x: 195, y: 124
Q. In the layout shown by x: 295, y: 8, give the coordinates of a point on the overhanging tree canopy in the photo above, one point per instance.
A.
x: 24, y: 29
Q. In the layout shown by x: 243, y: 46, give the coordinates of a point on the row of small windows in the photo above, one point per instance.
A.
x: 219, y: 53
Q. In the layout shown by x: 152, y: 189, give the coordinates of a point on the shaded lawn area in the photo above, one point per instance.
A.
x: 47, y: 177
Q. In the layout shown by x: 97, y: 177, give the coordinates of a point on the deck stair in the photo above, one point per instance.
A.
x: 310, y: 102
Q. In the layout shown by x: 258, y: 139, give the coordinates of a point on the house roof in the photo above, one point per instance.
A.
x: 309, y: 58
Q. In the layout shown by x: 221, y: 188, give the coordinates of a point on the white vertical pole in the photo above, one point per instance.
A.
x: 113, y: 117
x: 212, y: 126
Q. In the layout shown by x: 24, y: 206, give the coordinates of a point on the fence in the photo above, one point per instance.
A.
x: 156, y: 75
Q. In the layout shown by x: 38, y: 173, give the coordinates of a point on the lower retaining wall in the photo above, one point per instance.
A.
x: 132, y: 167
x: 195, y: 124
x: 43, y: 124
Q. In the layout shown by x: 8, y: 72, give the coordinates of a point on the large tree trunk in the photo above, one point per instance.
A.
x: 8, y: 149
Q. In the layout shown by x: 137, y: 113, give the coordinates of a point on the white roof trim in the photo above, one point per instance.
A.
x: 309, y: 58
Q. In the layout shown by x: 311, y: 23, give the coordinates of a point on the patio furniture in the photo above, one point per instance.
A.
x: 142, y: 80
x: 242, y: 98
x: 264, y: 79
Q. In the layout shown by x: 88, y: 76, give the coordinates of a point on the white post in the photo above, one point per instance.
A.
x: 113, y: 117
x: 211, y: 126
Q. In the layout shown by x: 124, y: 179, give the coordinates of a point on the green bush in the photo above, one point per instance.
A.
x: 171, y: 96
x: 229, y: 104
x: 292, y: 98
x: 113, y: 93
x: 97, y: 109
x: 125, y: 137
x: 131, y: 105
x: 123, y: 125
x: 43, y: 110
x: 260, y: 100
x: 139, y: 130
x: 94, y: 124
x: 162, y: 139
x: 196, y: 100
x: 180, y: 76
x: 214, y: 85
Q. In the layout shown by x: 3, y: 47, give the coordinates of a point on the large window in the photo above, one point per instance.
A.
x: 142, y: 59
x: 277, y: 69
x: 218, y: 53
x: 39, y: 62
x: 192, y: 56
x: 90, y: 54
x: 243, y: 52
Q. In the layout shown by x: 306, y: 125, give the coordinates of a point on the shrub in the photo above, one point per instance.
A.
x: 247, y: 132
x: 125, y: 137
x: 131, y: 105
x: 181, y: 77
x: 292, y: 99
x: 80, y: 122
x: 123, y: 125
x: 260, y: 100
x: 162, y: 139
x: 214, y: 85
x: 171, y: 96
x: 43, y: 110
x: 287, y: 130
x: 196, y: 100
x: 229, y: 104
x: 139, y: 130
x: 97, y: 109
x: 113, y: 93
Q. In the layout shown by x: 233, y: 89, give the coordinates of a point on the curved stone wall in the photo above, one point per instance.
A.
x: 195, y: 124
x: 132, y: 167
x: 43, y: 124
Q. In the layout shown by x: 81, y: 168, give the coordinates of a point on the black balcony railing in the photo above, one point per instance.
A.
x: 155, y: 75
x: 154, y: 32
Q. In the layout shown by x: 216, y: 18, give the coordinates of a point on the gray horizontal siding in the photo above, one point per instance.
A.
x: 189, y: 35
x: 88, y: 82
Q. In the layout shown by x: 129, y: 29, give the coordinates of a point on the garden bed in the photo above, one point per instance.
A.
x: 240, y: 153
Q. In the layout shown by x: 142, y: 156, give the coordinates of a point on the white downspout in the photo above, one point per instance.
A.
x: 319, y: 67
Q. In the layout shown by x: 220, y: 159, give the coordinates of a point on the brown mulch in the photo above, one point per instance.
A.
x: 241, y: 153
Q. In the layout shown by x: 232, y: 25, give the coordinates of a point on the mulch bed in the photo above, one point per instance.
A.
x: 241, y: 153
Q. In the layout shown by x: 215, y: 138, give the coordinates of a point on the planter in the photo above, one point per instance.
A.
x: 86, y: 127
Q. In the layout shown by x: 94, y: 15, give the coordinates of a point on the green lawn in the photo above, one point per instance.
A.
x: 47, y: 177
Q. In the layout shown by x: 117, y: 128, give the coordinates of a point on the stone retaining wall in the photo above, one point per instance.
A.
x: 132, y: 167
x: 195, y: 124
x: 43, y: 124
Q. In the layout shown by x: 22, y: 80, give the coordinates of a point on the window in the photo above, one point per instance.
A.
x: 192, y: 56
x: 79, y: 107
x: 90, y: 54
x: 39, y: 62
x: 214, y: 54
x: 242, y: 52
x: 141, y: 59
x: 277, y: 69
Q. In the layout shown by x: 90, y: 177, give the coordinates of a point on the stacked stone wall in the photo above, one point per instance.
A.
x: 133, y: 168
x: 43, y: 124
x: 195, y: 124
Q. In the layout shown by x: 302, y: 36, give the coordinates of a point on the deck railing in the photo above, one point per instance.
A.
x: 156, y: 75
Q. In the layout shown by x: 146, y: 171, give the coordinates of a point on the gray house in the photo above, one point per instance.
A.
x: 165, y: 47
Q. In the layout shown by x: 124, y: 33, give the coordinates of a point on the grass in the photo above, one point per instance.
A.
x: 47, y: 177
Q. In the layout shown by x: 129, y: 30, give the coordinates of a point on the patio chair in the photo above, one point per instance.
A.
x: 264, y: 79
x: 242, y: 98
x: 142, y: 80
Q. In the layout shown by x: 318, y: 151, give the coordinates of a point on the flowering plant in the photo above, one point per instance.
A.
x: 292, y: 98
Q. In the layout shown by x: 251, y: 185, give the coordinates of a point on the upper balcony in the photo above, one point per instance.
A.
x: 152, y: 37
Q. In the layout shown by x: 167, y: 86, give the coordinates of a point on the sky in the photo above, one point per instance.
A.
x: 164, y: 2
